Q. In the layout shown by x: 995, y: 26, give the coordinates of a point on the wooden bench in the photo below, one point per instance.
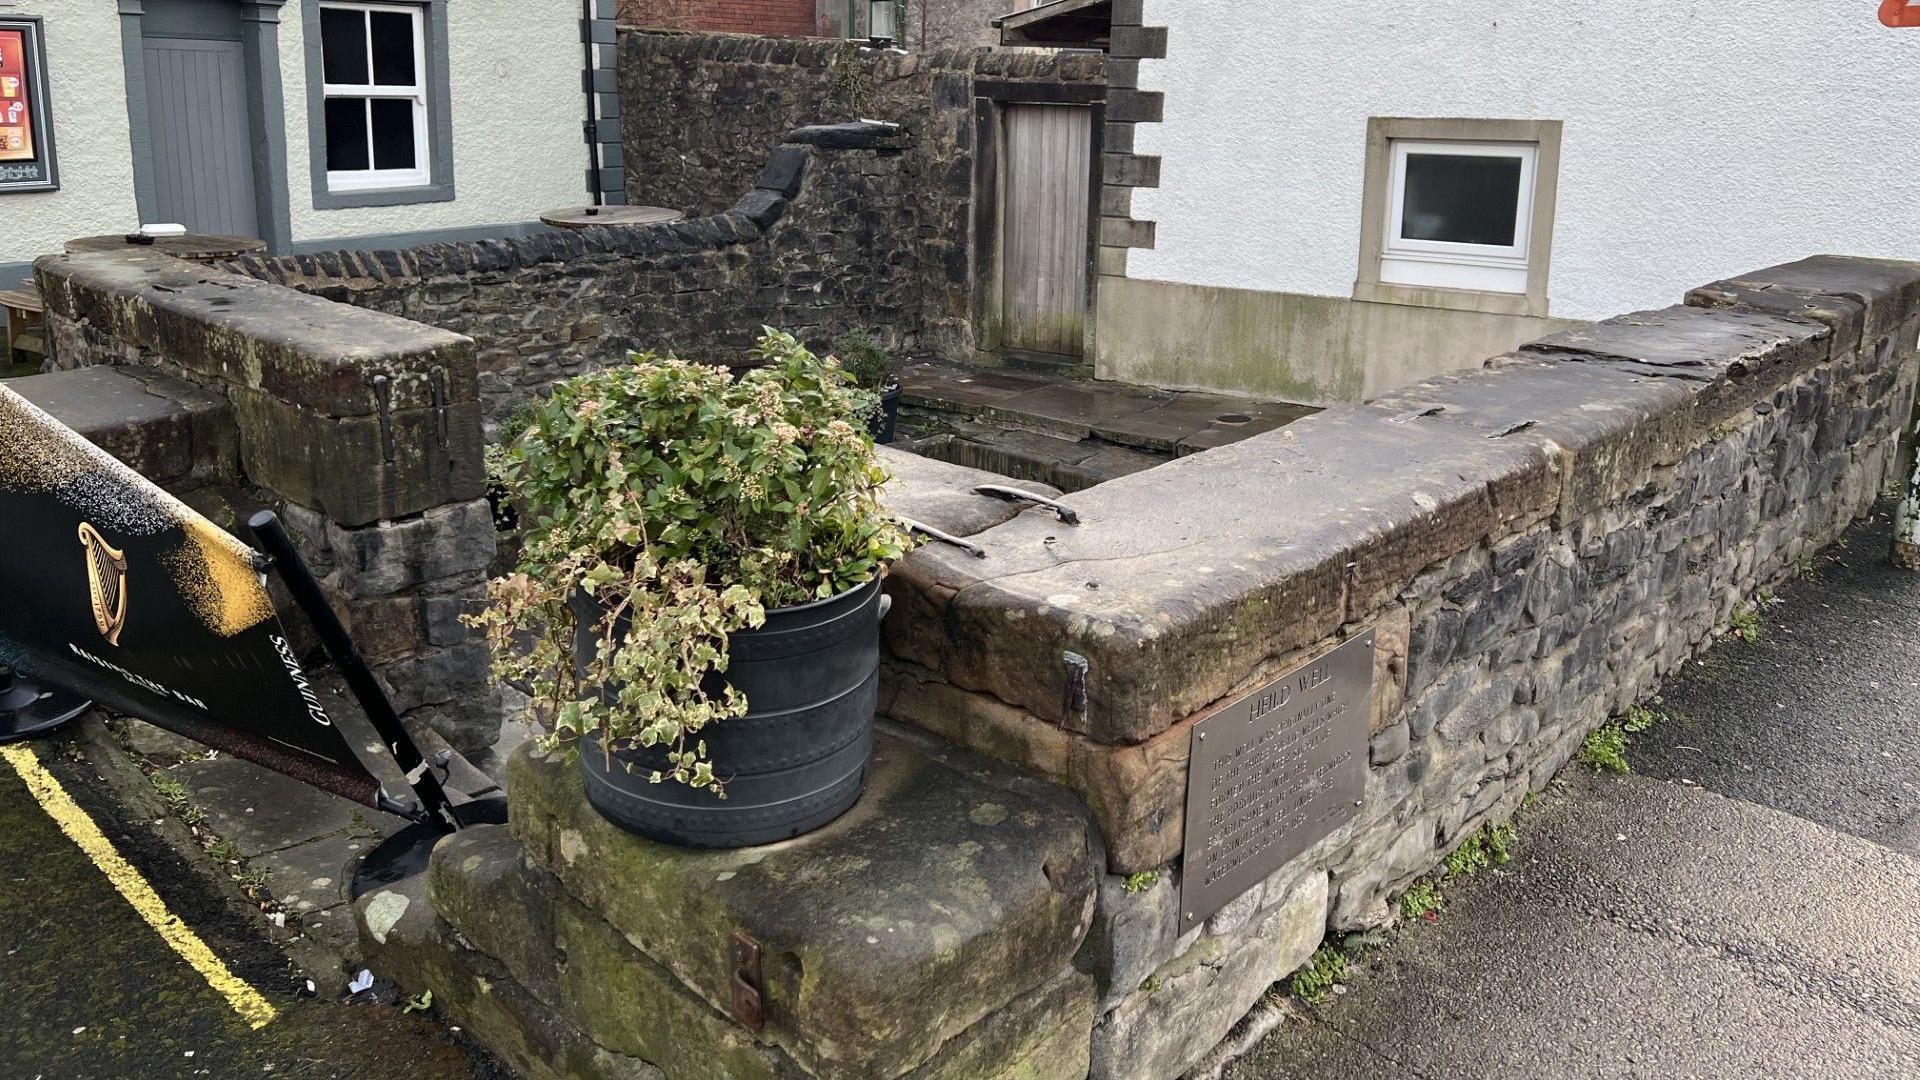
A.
x: 26, y: 326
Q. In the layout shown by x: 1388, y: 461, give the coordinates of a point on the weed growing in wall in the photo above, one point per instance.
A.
x: 1317, y: 979
x: 1604, y: 749
x: 1423, y: 900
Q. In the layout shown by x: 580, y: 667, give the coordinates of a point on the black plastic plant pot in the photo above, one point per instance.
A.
x: 886, y: 417
x: 796, y: 760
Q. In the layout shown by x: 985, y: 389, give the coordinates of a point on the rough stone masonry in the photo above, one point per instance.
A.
x: 1538, y: 542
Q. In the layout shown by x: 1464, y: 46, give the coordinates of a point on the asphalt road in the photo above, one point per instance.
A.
x: 1746, y: 904
x: 89, y: 989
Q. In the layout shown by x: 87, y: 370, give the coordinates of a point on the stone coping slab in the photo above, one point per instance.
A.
x: 952, y: 887
x: 161, y: 427
x: 1181, y: 580
x: 1874, y: 295
x: 330, y: 358
x: 941, y: 494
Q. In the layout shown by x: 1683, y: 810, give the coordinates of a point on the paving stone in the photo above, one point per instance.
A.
x: 312, y: 876
x: 260, y: 810
x: 952, y: 887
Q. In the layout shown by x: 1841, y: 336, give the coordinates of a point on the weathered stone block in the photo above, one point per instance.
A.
x: 330, y: 358
x: 163, y: 428
x: 952, y: 887
x: 1252, y: 550
x: 360, y: 469
x: 1886, y: 290
x: 388, y: 557
x: 1190, y: 1003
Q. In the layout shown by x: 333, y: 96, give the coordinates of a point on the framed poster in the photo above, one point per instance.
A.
x: 26, y: 129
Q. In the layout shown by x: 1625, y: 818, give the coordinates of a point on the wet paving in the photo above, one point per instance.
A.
x: 90, y: 989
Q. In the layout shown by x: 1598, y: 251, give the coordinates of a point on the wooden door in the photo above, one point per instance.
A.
x: 198, y: 127
x: 1046, y: 177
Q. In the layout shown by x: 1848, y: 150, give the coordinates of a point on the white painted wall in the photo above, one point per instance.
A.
x: 1701, y: 139
x: 87, y: 85
x: 514, y: 75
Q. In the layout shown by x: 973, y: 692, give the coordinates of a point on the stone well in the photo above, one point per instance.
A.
x: 1528, y: 548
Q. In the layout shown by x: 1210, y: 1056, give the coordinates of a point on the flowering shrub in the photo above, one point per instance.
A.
x: 667, y: 505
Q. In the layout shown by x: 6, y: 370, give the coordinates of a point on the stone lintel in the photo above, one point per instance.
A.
x: 327, y: 358
x: 952, y: 887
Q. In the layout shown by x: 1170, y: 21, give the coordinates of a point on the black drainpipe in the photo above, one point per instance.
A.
x: 592, y: 128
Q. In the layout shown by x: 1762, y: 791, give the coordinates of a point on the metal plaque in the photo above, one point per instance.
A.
x: 1274, y: 772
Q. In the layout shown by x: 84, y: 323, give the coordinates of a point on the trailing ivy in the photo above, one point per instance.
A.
x: 669, y: 504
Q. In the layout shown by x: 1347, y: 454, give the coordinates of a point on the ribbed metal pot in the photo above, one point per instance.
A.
x: 796, y: 760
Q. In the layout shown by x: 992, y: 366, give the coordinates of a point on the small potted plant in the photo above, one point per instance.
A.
x: 697, y: 601
x: 872, y: 368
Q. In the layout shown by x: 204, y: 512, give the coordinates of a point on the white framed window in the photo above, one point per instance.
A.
x: 374, y: 86
x: 1459, y: 213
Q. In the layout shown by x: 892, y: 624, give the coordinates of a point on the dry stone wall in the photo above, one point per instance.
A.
x: 1537, y: 543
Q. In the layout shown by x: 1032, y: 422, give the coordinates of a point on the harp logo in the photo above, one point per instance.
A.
x: 106, y: 583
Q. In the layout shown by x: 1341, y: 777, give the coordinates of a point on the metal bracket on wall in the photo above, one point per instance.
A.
x: 748, y: 1006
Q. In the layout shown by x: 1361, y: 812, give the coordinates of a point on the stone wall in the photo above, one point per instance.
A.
x: 361, y: 429
x: 1537, y: 543
x: 698, y: 111
x: 823, y: 241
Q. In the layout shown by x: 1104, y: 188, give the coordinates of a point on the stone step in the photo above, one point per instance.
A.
x: 928, y: 933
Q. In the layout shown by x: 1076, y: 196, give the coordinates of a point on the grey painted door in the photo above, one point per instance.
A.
x: 1043, y: 252
x: 197, y: 121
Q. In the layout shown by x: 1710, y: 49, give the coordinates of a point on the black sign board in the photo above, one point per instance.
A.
x: 114, y: 589
x: 26, y: 123
x: 1272, y: 773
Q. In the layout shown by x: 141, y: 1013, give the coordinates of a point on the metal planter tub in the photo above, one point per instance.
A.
x: 796, y: 761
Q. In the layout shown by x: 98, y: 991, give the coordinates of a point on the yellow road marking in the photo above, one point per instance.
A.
x: 73, y: 821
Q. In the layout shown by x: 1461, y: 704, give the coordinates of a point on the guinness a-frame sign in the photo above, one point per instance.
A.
x: 115, y: 590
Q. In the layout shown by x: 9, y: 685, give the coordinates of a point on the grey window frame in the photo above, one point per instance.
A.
x: 1382, y: 133
x: 39, y: 103
x: 439, y: 185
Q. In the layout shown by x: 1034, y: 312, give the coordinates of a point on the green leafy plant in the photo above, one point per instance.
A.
x: 1422, y: 900
x: 1639, y: 719
x: 666, y: 505
x: 1142, y: 881
x: 1313, y: 982
x: 867, y: 362
x: 1605, y: 749
x: 1745, y: 624
x: 171, y: 790
x: 1491, y: 846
